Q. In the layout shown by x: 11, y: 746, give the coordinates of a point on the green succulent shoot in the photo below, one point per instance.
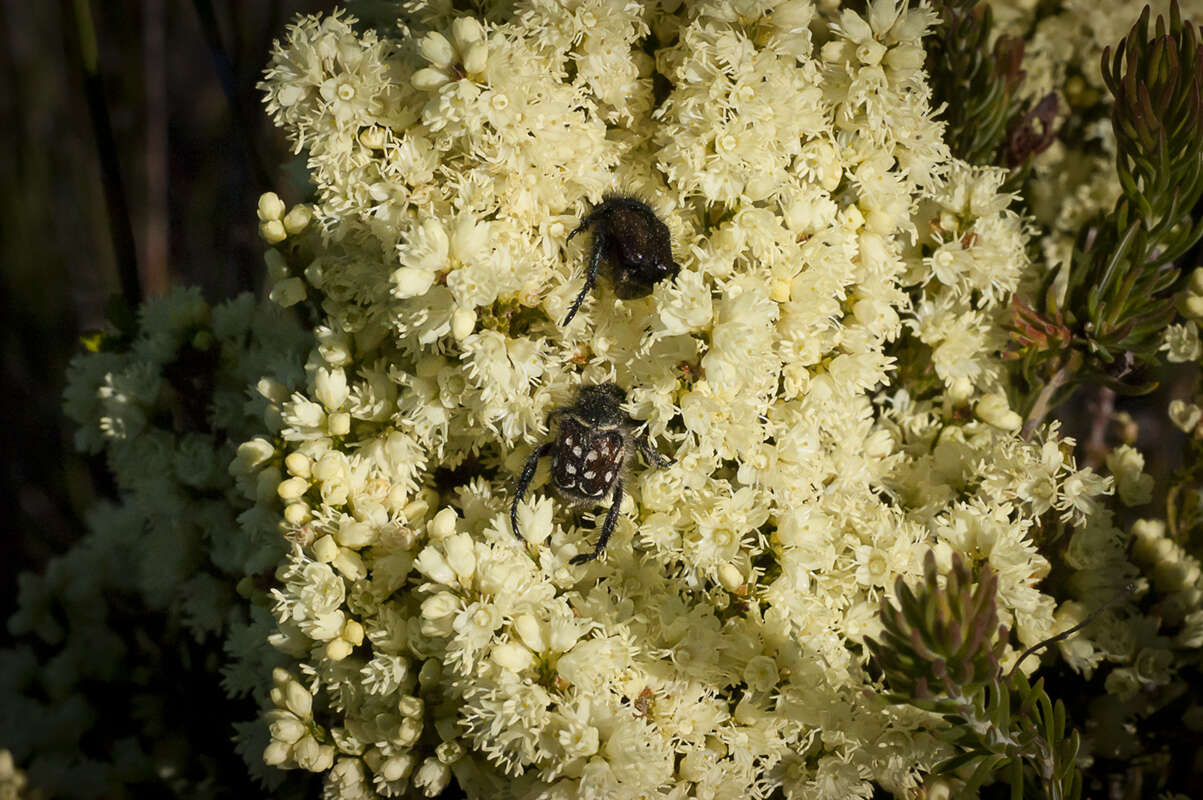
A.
x: 1123, y: 275
x: 940, y: 650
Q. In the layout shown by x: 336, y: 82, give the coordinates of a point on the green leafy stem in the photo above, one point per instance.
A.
x: 1122, y: 276
x: 940, y: 651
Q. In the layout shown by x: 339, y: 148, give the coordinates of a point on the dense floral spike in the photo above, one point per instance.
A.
x: 814, y: 465
x: 153, y: 602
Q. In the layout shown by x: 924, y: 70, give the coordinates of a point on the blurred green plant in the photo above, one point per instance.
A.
x: 1118, y: 297
x: 940, y: 651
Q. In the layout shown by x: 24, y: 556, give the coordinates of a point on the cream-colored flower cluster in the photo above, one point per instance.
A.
x: 820, y: 223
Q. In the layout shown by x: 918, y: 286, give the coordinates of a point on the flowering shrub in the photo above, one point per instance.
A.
x: 150, y: 597
x: 852, y: 370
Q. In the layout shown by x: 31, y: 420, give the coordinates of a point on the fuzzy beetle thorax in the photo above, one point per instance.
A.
x: 634, y: 243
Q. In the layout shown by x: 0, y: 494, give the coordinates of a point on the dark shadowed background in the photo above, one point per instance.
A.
x: 193, y: 150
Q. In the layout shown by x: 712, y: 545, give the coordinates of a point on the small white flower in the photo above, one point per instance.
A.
x: 1185, y: 416
x: 1182, y: 344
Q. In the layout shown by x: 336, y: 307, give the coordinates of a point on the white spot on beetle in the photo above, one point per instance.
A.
x: 571, y: 469
x: 591, y: 456
x: 589, y: 474
x: 576, y: 451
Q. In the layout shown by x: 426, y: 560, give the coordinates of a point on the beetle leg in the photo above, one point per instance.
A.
x: 607, y: 527
x: 653, y: 455
x: 528, y: 473
x: 589, y: 219
x: 599, y: 246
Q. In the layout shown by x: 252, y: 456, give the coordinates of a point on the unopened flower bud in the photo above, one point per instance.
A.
x: 531, y: 632
x: 834, y: 52
x: 252, y: 455
x: 338, y: 649
x: 409, y: 731
x: 467, y: 31
x: 463, y: 322
x: 729, y: 577
x: 433, y: 777
x: 428, y: 78
x: 461, y: 556
x: 397, y: 499
x: 1191, y: 305
x: 292, y: 488
x: 297, y: 699
x: 271, y: 389
x: 330, y: 386
x: 277, y: 753
x: 443, y: 524
x: 288, y: 292
x: 338, y: 423
x: 277, y: 267
x: 270, y: 206
x: 443, y: 604
x: 870, y: 52
x: 297, y: 219
x: 410, y: 706
x: 350, y: 564
x: 325, y: 549
x: 396, y: 768
x: 297, y: 513
x: 287, y: 729
x: 412, y: 282
x: 435, y: 48
x: 273, y: 231
x: 512, y: 656
x: 905, y: 57
x: 352, y: 533
x: 313, y: 757
x: 476, y: 58
x: 416, y: 510
x: 994, y: 410
x: 430, y: 673
x: 328, y: 467
x: 297, y: 464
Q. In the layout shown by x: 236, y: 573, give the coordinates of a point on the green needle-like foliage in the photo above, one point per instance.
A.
x: 940, y: 651
x: 1121, y: 288
x: 1122, y: 277
x: 941, y: 640
x: 975, y: 83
